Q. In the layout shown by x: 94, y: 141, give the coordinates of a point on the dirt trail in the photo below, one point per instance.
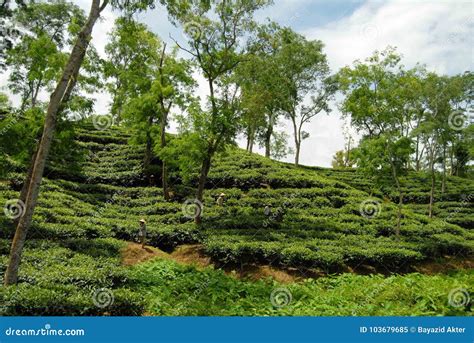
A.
x: 133, y: 253
x: 449, y: 263
x: 194, y: 255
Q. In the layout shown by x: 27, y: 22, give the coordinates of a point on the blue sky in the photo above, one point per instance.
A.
x: 303, y: 14
x: 438, y: 34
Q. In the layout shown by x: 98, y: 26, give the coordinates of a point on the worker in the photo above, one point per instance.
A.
x: 142, y: 232
x: 220, y: 199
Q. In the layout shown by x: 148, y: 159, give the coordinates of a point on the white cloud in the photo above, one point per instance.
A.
x: 438, y: 34
x: 435, y: 33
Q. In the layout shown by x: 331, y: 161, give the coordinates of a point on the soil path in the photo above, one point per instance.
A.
x: 193, y: 254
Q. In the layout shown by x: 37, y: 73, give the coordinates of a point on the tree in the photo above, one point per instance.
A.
x: 254, y: 98
x: 338, y: 160
x: 132, y: 53
x: 438, y: 128
x: 375, y: 100
x: 133, y: 57
x: 462, y: 152
x: 8, y: 29
x: 344, y: 158
x: 382, y: 156
x: 36, y: 60
x: 262, y: 89
x: 60, y: 94
x: 304, y: 73
x: 148, y: 95
x: 216, y: 49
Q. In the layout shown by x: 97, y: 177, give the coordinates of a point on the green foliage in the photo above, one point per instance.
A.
x: 61, y: 279
x: 211, y: 292
x: 315, y: 225
x: 36, y: 61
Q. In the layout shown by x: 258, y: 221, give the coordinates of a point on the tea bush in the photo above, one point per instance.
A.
x: 315, y: 222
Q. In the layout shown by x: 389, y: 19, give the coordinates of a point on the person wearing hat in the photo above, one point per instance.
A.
x: 142, y: 232
x: 220, y: 199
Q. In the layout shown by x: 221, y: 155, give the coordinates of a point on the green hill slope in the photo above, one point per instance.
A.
x: 320, y: 221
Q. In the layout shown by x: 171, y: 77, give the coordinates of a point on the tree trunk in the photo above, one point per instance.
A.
x: 26, y: 184
x: 164, y: 168
x: 148, y: 151
x: 347, y: 156
x: 164, y: 122
x: 250, y: 148
x: 400, y: 200
x: 297, y: 153
x: 268, y: 139
x: 206, y: 165
x: 70, y: 72
x: 34, y: 96
x: 297, y: 140
x: 451, y: 161
x: 443, y: 181
x: 250, y: 138
x: 417, y: 154
x: 247, y: 147
x: 430, y: 210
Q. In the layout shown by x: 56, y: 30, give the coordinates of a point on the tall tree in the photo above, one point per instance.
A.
x: 262, y: 89
x: 132, y: 53
x: 133, y: 56
x: 61, y: 92
x: 375, y: 100
x: 147, y: 96
x: 443, y: 120
x: 386, y: 155
x: 216, y: 47
x: 304, y: 72
x: 36, y: 60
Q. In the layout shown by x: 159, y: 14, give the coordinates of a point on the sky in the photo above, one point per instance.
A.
x: 438, y: 34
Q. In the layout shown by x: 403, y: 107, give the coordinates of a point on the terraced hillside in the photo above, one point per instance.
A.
x: 319, y: 223
x: 455, y: 205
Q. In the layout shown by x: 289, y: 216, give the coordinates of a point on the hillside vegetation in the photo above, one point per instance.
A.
x: 322, y: 222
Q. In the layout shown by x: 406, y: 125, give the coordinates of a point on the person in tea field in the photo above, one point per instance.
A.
x: 220, y: 200
x: 142, y: 232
